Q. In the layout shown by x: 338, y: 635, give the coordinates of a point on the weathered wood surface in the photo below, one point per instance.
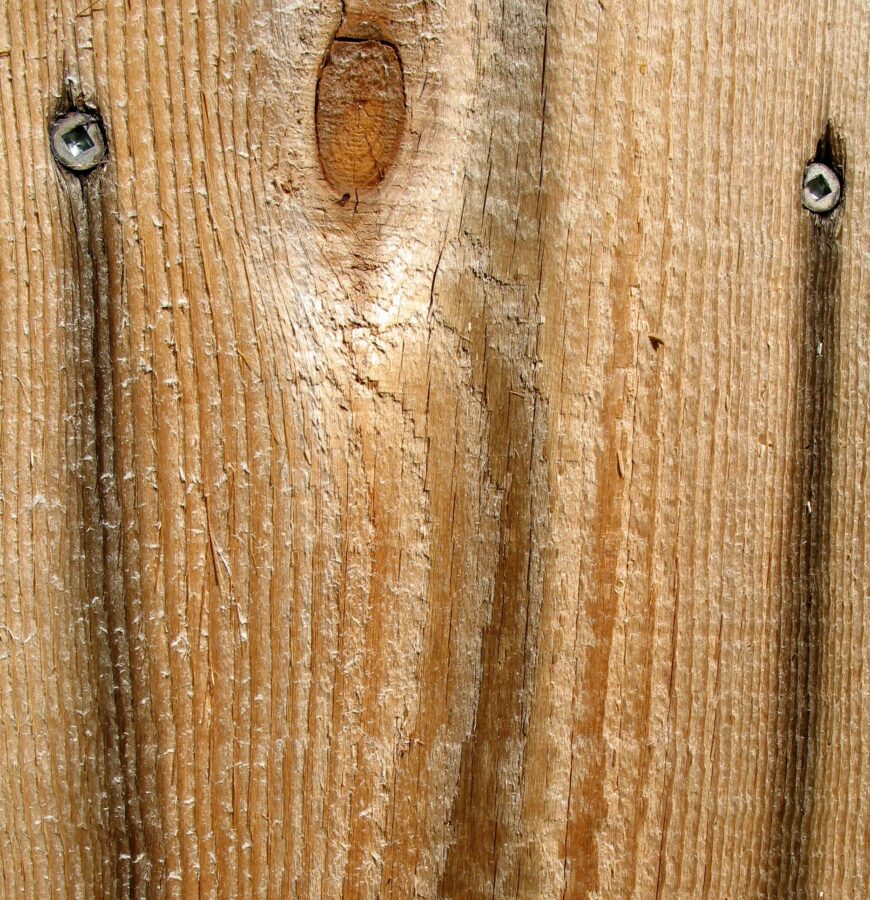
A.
x: 500, y: 530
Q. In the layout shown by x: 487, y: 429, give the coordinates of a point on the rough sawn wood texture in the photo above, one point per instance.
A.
x: 498, y: 530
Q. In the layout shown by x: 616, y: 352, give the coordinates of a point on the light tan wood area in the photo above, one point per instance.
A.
x: 495, y: 529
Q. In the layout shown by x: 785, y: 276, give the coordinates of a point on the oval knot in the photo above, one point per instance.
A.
x: 359, y: 113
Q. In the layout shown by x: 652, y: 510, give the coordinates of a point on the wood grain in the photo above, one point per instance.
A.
x: 502, y: 533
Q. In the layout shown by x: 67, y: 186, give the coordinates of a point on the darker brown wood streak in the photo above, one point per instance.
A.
x: 121, y: 619
x: 90, y: 209
x: 807, y: 591
x: 588, y: 801
x: 487, y: 810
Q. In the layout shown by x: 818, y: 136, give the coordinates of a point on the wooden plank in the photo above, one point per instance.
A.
x: 498, y: 528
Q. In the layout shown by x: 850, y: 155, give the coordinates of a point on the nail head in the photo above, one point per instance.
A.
x: 77, y: 141
x: 821, y: 188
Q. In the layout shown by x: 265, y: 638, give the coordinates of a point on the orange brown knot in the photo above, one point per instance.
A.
x: 359, y: 113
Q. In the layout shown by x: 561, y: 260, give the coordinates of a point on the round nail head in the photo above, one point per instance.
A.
x: 821, y: 188
x: 77, y: 141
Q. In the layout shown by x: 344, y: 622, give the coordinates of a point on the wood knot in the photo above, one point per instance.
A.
x: 359, y: 113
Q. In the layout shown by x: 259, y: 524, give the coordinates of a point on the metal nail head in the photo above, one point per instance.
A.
x: 77, y: 141
x: 821, y: 188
